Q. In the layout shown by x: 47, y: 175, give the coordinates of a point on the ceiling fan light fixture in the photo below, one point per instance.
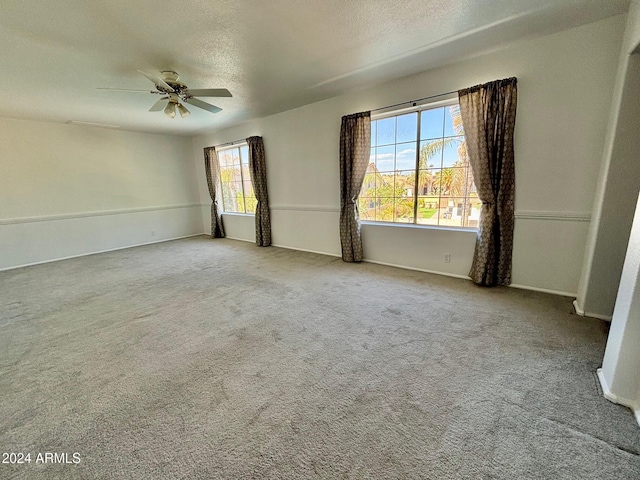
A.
x: 183, y: 110
x: 170, y: 110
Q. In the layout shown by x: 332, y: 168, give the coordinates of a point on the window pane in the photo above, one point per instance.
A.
x: 225, y: 159
x: 475, y: 205
x: 404, y: 183
x: 454, y: 181
x: 251, y: 203
x: 385, y: 184
x: 431, y: 153
x: 228, y: 199
x: 386, y: 131
x: 237, y: 173
x: 246, y: 175
x: 407, y: 128
x: 454, y: 153
x: 235, y: 155
x: 384, y: 209
x: 248, y: 188
x: 226, y: 174
x: 461, y: 211
x: 236, y: 191
x: 455, y: 211
x: 404, y: 210
x: 385, y: 157
x: 446, y: 211
x: 367, y: 208
x: 447, y: 176
x: 405, y: 156
x: 244, y: 155
x: 452, y: 121
x: 437, y: 188
x: 432, y: 123
x: 369, y: 183
x: 428, y: 210
x: 429, y: 182
x: 230, y: 174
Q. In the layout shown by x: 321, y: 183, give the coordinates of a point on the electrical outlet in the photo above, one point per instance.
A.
x: 447, y: 258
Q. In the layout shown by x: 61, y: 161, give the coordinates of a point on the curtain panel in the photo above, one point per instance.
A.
x: 258, y: 169
x: 212, y: 168
x: 489, y: 114
x: 355, y: 145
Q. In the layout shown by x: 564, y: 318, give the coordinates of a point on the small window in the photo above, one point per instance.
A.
x: 419, y: 171
x: 235, y: 180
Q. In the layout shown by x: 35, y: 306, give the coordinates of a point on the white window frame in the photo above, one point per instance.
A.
x: 219, y: 150
x: 394, y: 113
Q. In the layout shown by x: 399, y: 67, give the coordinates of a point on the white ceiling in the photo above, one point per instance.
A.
x: 273, y: 55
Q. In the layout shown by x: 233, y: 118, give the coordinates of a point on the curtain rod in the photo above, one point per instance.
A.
x: 415, y: 101
x: 243, y: 140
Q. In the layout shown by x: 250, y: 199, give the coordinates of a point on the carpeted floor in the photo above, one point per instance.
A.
x: 204, y: 359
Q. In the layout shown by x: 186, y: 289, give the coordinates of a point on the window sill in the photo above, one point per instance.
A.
x: 420, y: 227
x: 236, y: 214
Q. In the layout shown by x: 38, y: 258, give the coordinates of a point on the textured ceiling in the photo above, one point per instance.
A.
x: 272, y: 55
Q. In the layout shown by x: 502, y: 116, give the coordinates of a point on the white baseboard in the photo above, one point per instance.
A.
x: 543, y: 290
x: 466, y: 277
x: 286, y: 247
x: 612, y: 397
x: 306, y: 250
x: 239, y: 239
x: 445, y: 274
x: 582, y: 313
x: 98, y: 251
x: 578, y: 310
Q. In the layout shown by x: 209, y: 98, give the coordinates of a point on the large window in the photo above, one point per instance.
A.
x: 235, y: 179
x: 419, y: 171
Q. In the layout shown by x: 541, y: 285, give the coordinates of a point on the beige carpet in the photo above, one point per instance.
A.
x: 206, y: 358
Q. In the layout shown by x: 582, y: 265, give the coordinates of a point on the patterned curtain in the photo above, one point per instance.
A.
x: 258, y: 169
x: 355, y: 145
x: 213, y: 180
x: 489, y: 116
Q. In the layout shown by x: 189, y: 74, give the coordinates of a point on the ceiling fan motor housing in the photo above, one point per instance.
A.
x: 171, y: 78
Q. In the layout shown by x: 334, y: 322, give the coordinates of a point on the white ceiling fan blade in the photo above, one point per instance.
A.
x: 210, y: 92
x: 157, y: 81
x: 204, y: 105
x: 159, y: 105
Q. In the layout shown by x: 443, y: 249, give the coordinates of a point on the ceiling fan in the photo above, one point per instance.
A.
x: 175, y: 94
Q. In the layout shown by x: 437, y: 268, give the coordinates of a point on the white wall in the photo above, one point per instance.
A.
x: 565, y: 84
x: 618, y: 184
x: 69, y: 190
x: 616, y: 229
x: 620, y: 372
x: 631, y: 41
